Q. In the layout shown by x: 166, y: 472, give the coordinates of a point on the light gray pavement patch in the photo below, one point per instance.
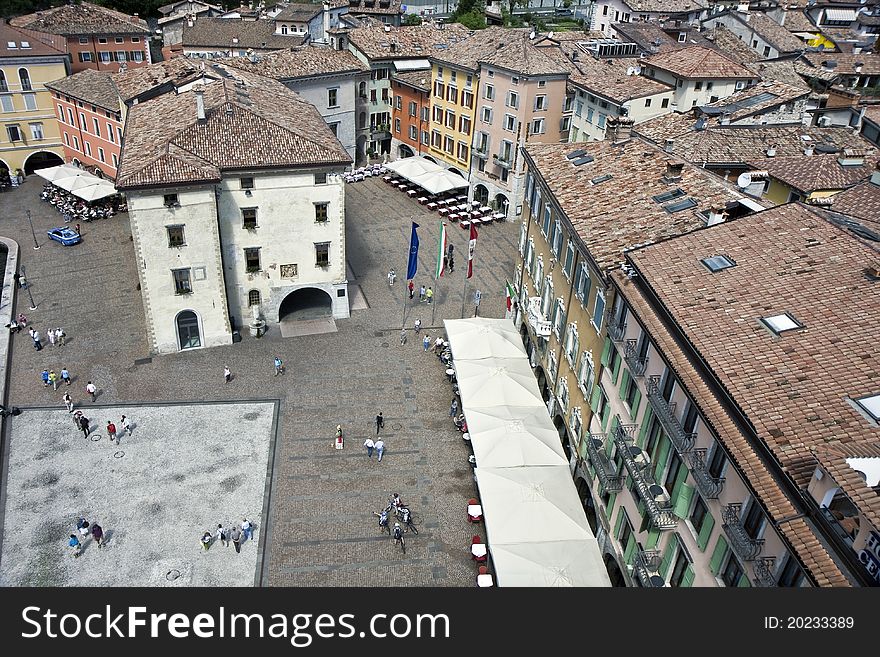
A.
x: 185, y: 469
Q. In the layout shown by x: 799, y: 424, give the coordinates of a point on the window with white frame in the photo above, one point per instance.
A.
x: 557, y: 240
x: 586, y: 373
x: 537, y: 203
x: 598, y: 311
x: 486, y: 115
x: 558, y: 317
x: 569, y: 259
x: 523, y: 234
x: 553, y: 366
x: 547, y: 297
x: 490, y: 92
x: 582, y: 284
x: 509, y: 122
x: 530, y: 253
x: 545, y: 226
x: 537, y: 126
x: 575, y: 423
x: 539, y: 275
x: 512, y: 99
x: 36, y: 130
x: 572, y: 343
x: 413, y: 133
x: 562, y: 393
x: 540, y: 103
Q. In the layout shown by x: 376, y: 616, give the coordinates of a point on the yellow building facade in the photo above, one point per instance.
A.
x: 453, y: 93
x: 30, y: 138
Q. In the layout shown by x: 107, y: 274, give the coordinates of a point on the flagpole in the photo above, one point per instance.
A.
x: 411, y: 268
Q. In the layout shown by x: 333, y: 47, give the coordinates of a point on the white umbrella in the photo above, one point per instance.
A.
x: 61, y: 171
x: 559, y: 564
x: 478, y: 338
x: 98, y: 190
x: 498, y: 382
x: 507, y: 437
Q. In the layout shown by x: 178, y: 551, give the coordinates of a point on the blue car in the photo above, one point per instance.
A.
x: 67, y: 236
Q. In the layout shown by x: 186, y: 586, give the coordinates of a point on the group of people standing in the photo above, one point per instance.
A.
x: 235, y: 534
x: 84, y: 529
x: 81, y: 422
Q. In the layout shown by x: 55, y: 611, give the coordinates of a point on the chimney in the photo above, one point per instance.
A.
x: 668, y: 145
x: 808, y: 150
x: 673, y: 170
x: 714, y: 216
x: 851, y: 157
x: 200, y: 104
x: 771, y: 151
x: 619, y: 130
x: 326, y: 17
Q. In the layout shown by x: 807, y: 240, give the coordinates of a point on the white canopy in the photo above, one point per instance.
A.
x: 508, y: 436
x: 61, y: 171
x: 77, y: 181
x: 561, y: 563
x: 497, y: 382
x: 431, y: 177
x: 477, y: 340
x: 98, y: 190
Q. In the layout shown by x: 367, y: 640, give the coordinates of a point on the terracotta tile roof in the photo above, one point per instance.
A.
x: 39, y: 43
x: 740, y: 145
x: 370, y: 7
x: 666, y: 6
x: 617, y: 214
x: 176, y: 71
x: 796, y: 20
x: 420, y: 80
x: 409, y: 41
x: 728, y: 43
x: 812, y: 73
x: 768, y: 94
x: 220, y: 33
x: 82, y: 19
x: 90, y: 86
x: 252, y: 122
x: 699, y: 62
x: 301, y: 62
x: 861, y: 201
x: 770, y: 31
x: 651, y: 37
x: 833, y: 461
x: 810, y: 173
x: 609, y: 79
x: 299, y: 12
x: 780, y: 71
x: 847, y: 62
x: 504, y: 47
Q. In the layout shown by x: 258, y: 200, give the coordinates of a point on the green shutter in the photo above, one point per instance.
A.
x: 688, y: 578
x: 667, y: 556
x: 662, y: 454
x: 594, y: 399
x: 683, y: 501
x: 610, y: 506
x: 619, y: 523
x: 718, y: 555
x: 623, y: 381
x: 634, y: 410
x: 653, y: 539
x: 744, y: 582
x: 646, y: 422
x: 606, y: 352
x: 679, y: 483
x: 705, y: 532
x: 630, y: 550
x: 629, y: 482
x: 616, y: 370
x: 609, y: 440
x: 605, y: 415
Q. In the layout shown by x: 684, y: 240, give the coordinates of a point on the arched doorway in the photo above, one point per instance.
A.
x: 456, y: 171
x: 614, y: 574
x: 501, y: 203
x: 559, y: 423
x: 542, y: 383
x: 404, y: 151
x: 188, y: 333
x: 481, y: 194
x: 429, y: 158
x: 41, y: 160
x: 304, y: 304
x: 586, y: 497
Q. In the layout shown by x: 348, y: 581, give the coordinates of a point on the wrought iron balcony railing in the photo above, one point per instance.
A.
x: 616, y: 328
x: 665, y: 412
x: 709, y: 486
x: 745, y: 547
x: 637, y: 364
x: 764, y: 572
x: 609, y: 477
x: 635, y: 462
x: 646, y: 566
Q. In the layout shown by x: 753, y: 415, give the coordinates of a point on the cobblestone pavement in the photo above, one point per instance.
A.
x: 320, y: 531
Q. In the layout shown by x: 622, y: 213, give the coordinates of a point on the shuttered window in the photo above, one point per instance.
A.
x: 718, y: 555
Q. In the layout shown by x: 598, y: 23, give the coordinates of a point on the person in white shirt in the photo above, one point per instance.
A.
x: 369, y: 444
x: 247, y: 529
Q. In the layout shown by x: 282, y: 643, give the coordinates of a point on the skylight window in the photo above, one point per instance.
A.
x: 781, y: 323
x: 871, y: 405
x: 25, y: 44
x: 678, y: 206
x: 668, y: 196
x: 718, y: 263
x: 576, y: 154
x: 11, y: 45
x: 584, y: 159
x: 600, y: 179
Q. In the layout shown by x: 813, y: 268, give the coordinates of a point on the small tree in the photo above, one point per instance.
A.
x: 473, y: 20
x: 412, y: 19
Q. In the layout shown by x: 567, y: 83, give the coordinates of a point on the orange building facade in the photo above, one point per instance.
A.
x: 411, y: 106
x: 107, y: 52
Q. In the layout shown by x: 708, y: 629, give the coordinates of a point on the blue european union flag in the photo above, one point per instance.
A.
x: 413, y: 253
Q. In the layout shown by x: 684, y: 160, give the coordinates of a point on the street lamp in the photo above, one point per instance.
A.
x: 34, y: 233
x: 27, y: 287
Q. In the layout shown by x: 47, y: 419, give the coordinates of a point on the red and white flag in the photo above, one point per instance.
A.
x: 472, y: 245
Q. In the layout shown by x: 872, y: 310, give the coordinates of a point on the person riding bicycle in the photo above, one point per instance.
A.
x: 404, y: 515
x: 398, y: 533
x: 383, y: 520
x: 396, y: 502
x: 391, y: 276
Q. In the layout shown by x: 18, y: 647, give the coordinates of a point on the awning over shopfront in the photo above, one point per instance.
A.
x: 78, y: 182
x: 431, y: 177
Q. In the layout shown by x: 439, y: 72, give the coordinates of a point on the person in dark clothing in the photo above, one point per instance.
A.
x: 235, y: 536
x: 380, y: 422
x: 98, y: 534
x: 84, y: 425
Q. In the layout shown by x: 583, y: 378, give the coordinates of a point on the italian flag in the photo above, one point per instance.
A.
x: 510, y: 295
x: 441, y: 251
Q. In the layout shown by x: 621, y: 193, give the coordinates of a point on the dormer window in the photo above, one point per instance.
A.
x: 871, y: 406
x: 718, y: 263
x: 781, y: 323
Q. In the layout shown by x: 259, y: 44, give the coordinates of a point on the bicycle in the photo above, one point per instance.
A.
x: 397, y: 537
x: 406, y: 517
x: 383, y: 521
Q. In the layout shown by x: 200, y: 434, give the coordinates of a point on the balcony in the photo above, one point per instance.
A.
x: 609, y: 478
x: 764, y: 572
x: 637, y: 364
x: 636, y: 463
x: 504, y: 160
x: 665, y: 412
x: 708, y: 485
x: 537, y: 320
x: 380, y: 132
x: 745, y: 547
x: 646, y: 566
x: 616, y: 327
x: 481, y: 151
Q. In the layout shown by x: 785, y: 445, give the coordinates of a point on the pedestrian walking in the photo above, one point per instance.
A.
x: 111, y: 431
x: 51, y: 334
x: 339, y: 443
x: 59, y: 336
x: 417, y: 325
x: 402, y: 336
x: 453, y: 409
x: 438, y: 345
x: 369, y: 444
x: 98, y: 534
x: 82, y: 528
x: 247, y: 529
x: 53, y: 379
x: 126, y: 424
x: 227, y: 374
x: 421, y: 294
x: 279, y: 366
x: 68, y: 402
x: 84, y: 425
x: 92, y: 390
x: 65, y: 375
x: 77, y: 229
x: 391, y: 276
x: 235, y: 535
x: 31, y: 332
x: 22, y: 320
x: 380, y: 422
x: 77, y: 416
x: 451, y: 262
x: 45, y: 376
x: 36, y: 336
x: 75, y: 545
x: 206, y: 541
x: 412, y: 290
x: 430, y: 295
x: 222, y: 535
x: 380, y: 448
x: 426, y: 342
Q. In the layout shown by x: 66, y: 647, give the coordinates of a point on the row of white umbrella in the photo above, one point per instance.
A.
x: 431, y: 177
x: 78, y: 182
x: 535, y: 523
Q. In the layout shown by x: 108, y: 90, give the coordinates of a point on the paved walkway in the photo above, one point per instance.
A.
x: 320, y: 530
